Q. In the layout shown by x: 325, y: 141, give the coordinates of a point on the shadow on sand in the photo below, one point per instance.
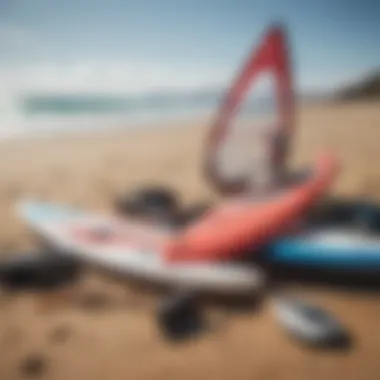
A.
x: 354, y: 282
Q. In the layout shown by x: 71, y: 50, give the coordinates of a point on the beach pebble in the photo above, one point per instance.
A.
x: 60, y: 334
x: 33, y: 365
x: 94, y: 301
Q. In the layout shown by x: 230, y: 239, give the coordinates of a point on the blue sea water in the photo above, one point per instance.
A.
x: 35, y: 114
x: 103, y: 104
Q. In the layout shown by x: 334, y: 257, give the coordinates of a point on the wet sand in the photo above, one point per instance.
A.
x: 105, y: 330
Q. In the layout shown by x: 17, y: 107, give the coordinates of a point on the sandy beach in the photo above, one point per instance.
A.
x: 114, y: 336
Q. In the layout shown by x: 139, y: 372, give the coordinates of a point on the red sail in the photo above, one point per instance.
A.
x: 271, y: 56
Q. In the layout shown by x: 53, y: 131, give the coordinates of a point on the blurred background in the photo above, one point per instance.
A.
x: 129, y: 69
x: 90, y: 63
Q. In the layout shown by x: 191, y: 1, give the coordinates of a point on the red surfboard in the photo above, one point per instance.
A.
x: 239, y: 224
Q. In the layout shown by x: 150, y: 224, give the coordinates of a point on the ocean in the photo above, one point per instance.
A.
x: 33, y: 114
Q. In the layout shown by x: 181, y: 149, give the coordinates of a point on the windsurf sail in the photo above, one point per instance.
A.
x: 247, y: 146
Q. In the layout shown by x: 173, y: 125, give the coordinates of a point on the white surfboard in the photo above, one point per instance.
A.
x: 130, y: 248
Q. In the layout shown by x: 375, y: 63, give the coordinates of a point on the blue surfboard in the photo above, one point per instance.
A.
x: 328, y: 248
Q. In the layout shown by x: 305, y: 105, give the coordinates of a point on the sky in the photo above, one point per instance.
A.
x: 143, y: 45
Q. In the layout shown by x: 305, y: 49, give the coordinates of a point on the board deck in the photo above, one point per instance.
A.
x: 84, y: 228
x: 131, y: 248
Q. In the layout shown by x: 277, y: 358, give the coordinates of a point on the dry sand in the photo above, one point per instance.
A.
x: 113, y: 335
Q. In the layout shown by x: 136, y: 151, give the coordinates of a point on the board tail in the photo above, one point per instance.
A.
x: 253, y: 153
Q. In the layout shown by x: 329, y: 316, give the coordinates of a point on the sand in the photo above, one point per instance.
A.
x: 106, y: 330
